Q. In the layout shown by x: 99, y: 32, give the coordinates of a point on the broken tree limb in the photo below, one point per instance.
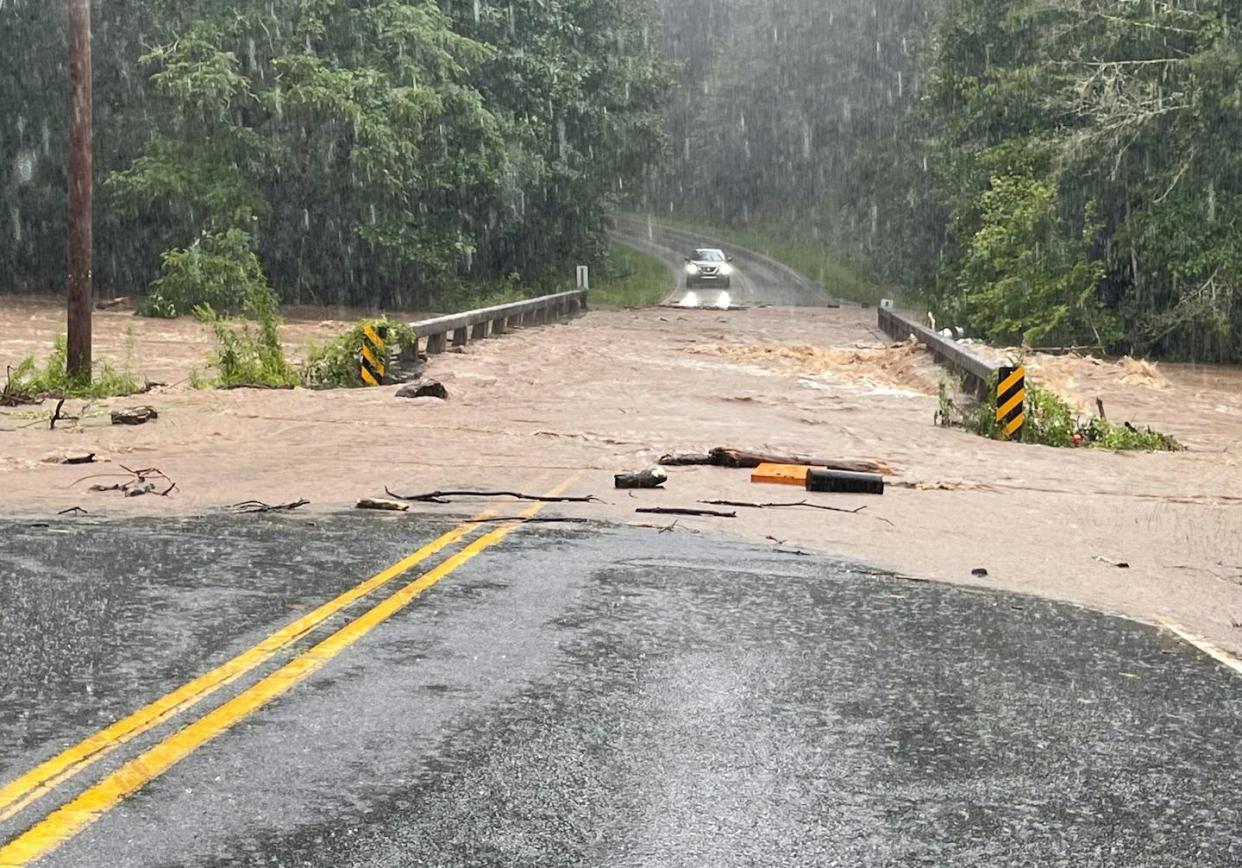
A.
x: 249, y: 507
x: 738, y: 458
x: 73, y: 510
x: 56, y: 417
x: 139, y: 485
x: 134, y: 416
x: 444, y: 496
x: 692, y: 513
x: 382, y: 505
x: 801, y: 503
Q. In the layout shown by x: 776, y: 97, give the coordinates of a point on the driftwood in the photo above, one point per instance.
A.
x: 140, y: 484
x: 134, y: 416
x: 692, y: 513
x: 109, y: 304
x: 382, y: 505
x: 443, y: 496
x: 56, y: 417
x: 73, y: 510
x: 737, y: 458
x: 249, y: 507
x: 801, y: 503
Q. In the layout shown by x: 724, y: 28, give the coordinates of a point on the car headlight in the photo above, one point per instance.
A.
x: 692, y: 269
x: 726, y: 269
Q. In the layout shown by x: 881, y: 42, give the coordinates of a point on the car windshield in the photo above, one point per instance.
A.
x: 708, y: 256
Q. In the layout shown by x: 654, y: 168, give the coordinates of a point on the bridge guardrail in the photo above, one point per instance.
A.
x: 459, y: 329
x: 978, y: 373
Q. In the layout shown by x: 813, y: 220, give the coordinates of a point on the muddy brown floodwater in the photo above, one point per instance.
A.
x: 615, y: 390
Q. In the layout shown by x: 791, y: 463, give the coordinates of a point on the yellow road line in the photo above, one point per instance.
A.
x: 67, y: 821
x: 21, y: 792
x: 1216, y: 653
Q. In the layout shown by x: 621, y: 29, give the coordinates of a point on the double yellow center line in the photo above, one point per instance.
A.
x: 67, y: 821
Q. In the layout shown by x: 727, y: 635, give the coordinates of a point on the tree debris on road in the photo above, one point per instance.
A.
x: 740, y: 459
x: 69, y: 458
x: 652, y: 477
x: 134, y: 416
x: 250, y: 507
x: 426, y: 389
x: 526, y: 519
x: 801, y: 503
x: 444, y: 496
x: 142, y: 482
x: 691, y: 513
x: 382, y: 505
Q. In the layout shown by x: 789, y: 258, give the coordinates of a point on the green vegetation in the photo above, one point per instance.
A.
x: 218, y: 271
x: 1050, y: 421
x: 378, y: 153
x: 793, y: 246
x: 248, y: 350
x: 29, y: 382
x: 631, y: 279
x: 1054, y: 172
x: 337, y: 363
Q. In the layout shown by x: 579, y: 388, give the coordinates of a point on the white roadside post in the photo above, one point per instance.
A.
x: 584, y: 277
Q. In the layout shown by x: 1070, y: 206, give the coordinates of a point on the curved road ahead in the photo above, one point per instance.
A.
x: 761, y: 280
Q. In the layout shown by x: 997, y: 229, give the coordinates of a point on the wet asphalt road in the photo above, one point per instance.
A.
x: 607, y: 696
x: 758, y: 280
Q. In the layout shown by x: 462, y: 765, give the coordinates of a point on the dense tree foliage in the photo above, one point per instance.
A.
x: 1054, y: 171
x: 368, y: 151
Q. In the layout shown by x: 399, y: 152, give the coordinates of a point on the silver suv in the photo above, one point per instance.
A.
x: 708, y: 267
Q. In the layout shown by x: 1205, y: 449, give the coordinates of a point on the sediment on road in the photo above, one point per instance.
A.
x: 612, y: 392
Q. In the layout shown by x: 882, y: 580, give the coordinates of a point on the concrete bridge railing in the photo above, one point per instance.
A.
x: 460, y: 328
x: 978, y: 374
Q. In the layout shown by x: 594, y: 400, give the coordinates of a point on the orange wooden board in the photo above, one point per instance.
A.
x: 781, y: 474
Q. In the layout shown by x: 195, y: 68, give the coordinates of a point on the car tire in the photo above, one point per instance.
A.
x: 728, y: 283
x: 689, y: 283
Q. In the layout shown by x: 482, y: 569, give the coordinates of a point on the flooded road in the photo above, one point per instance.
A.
x: 600, y: 696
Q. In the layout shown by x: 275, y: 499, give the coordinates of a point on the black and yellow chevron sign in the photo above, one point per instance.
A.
x: 374, y: 366
x: 1011, y: 402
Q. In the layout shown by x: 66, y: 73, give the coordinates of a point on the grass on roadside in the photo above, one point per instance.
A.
x: 632, y: 279
x: 793, y: 247
x: 30, y: 382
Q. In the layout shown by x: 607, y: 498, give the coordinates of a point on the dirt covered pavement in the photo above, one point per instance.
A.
x: 615, y: 391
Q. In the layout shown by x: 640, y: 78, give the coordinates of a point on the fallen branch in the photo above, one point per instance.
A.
x: 51, y: 426
x: 382, y: 505
x: 692, y: 513
x: 443, y: 496
x: 737, y: 458
x: 250, y: 507
x: 73, y: 510
x: 137, y: 486
x: 800, y: 503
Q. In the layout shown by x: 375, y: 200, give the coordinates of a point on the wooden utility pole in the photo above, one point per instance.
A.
x: 81, y: 189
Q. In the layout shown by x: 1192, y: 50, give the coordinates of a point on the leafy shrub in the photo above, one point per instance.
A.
x: 336, y: 363
x: 219, y: 271
x: 53, y: 380
x: 248, y: 351
x: 1050, y: 421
